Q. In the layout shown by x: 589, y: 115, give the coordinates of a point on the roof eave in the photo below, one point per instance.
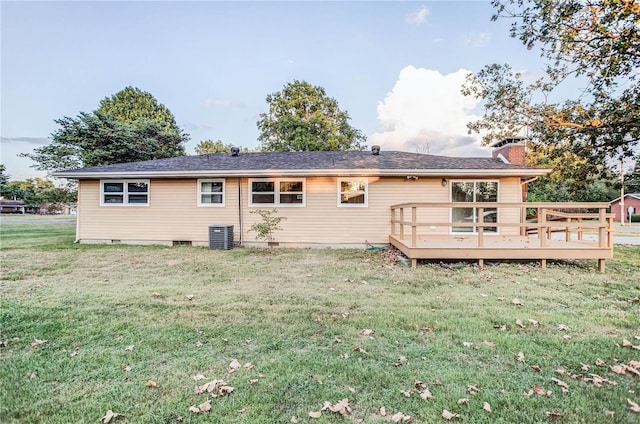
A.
x: 522, y: 172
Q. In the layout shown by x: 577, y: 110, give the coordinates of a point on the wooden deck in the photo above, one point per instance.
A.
x: 562, y: 226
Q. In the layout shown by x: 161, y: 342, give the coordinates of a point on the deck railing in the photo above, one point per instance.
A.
x: 568, y: 218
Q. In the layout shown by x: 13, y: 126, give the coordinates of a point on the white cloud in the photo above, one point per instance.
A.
x: 419, y: 16
x: 476, y: 39
x: 426, y: 108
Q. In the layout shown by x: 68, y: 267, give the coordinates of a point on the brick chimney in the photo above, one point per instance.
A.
x: 510, y: 150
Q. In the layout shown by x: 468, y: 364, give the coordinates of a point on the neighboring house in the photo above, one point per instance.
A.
x: 631, y: 200
x: 11, y: 206
x: 336, y: 198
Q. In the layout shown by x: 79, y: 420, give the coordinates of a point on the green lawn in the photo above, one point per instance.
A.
x: 86, y: 329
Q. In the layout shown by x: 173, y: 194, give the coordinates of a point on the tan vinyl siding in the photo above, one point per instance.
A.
x: 173, y: 213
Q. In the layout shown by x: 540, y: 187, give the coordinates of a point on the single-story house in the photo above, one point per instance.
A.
x: 427, y: 206
x: 334, y: 198
x: 11, y: 206
x: 631, y: 204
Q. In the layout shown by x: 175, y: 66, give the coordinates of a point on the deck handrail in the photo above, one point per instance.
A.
x: 580, y: 221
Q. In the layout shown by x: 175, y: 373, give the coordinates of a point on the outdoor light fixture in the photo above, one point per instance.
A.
x: 444, y: 182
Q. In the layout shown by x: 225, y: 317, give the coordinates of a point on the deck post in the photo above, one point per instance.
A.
x: 602, y: 222
x: 567, y: 231
x: 393, y: 220
x: 523, y: 221
x: 542, y: 226
x: 414, y: 262
x: 601, y: 265
x: 481, y: 227
x: 543, y: 263
x: 401, y: 222
x: 414, y: 235
x: 580, y: 229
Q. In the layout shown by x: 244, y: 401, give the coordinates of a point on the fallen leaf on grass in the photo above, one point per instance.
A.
x: 215, y: 388
x: 341, y: 407
x: 463, y: 401
x: 294, y: 420
x: 129, y: 348
x: 563, y: 386
x: 472, y: 389
x: 37, y: 342
x: 198, y: 377
x: 520, y: 324
x: 600, y: 362
x: 315, y: 414
x: 151, y: 383
x: 487, y: 343
x: 449, y: 416
x: 396, y: 418
x: 533, y: 322
x: 486, y: 406
x: 538, y: 390
x: 554, y: 415
x: 517, y: 302
x: 597, y: 380
x: 536, y: 368
x: 634, y: 406
x: 109, y: 416
x: 202, y: 408
x: 367, y: 332
x: 562, y: 327
x: 520, y: 357
x: 426, y: 394
x: 360, y: 350
x: 189, y: 296
x: 625, y: 343
x: 233, y: 366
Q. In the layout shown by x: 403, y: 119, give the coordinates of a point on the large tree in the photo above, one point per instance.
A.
x: 210, y: 146
x: 4, y: 177
x: 302, y: 117
x: 130, y: 126
x: 594, y: 42
x: 38, y: 192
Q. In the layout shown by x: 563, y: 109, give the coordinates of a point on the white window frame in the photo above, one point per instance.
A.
x: 475, y: 231
x: 222, y: 193
x: 125, y: 193
x: 276, y: 193
x: 353, y: 205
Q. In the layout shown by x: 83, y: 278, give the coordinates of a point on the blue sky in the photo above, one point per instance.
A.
x: 396, y: 67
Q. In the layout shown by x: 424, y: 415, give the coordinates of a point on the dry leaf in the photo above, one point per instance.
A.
x: 383, y: 411
x: 600, y: 362
x: 426, y: 394
x: 561, y: 371
x: 156, y: 294
x: 554, y: 415
x: 467, y: 344
x: 109, y: 416
x: 198, y: 377
x: 198, y: 344
x: 294, y: 420
x: 189, y: 296
x: 533, y: 322
x: 563, y: 386
x: 396, y: 418
x: 337, y: 340
x: 584, y: 367
x: 233, y: 366
x: 151, y: 383
x: 129, y: 348
x: 618, y: 369
x: 360, y: 350
x: 520, y: 324
x: 536, y: 368
x: 562, y: 327
x: 486, y: 406
x: 406, y: 393
x: 37, y: 342
x: 634, y: 406
x: 448, y: 415
x: 520, y: 357
x: 341, y: 407
x: 315, y: 414
x: 517, y: 302
x: 472, y: 389
x: 367, y: 332
x: 463, y: 401
x: 490, y: 344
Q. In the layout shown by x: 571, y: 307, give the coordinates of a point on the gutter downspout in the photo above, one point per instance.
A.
x: 77, y: 240
x: 240, y: 208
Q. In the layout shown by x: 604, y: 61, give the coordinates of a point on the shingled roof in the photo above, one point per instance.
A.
x: 342, y: 163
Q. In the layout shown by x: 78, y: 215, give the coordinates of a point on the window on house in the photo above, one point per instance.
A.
x: 277, y: 192
x: 125, y: 192
x: 352, y: 192
x: 210, y: 192
x: 473, y: 191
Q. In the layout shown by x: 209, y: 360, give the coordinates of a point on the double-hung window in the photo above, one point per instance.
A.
x: 211, y: 193
x: 124, y: 193
x: 352, y: 192
x: 473, y: 191
x: 277, y: 192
